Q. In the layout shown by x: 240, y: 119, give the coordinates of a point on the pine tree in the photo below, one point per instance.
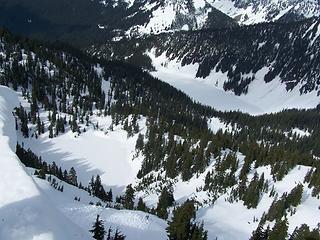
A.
x: 72, y: 177
x: 165, y: 200
x: 117, y: 236
x: 304, y: 233
x: 98, y: 229
x: 259, y: 233
x: 279, y: 231
x: 97, y: 189
x: 140, y: 142
x: 129, y: 197
x: 141, y: 205
x: 183, y: 227
x: 50, y: 131
x: 109, y: 196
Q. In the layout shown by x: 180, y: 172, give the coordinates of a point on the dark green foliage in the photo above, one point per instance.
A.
x: 116, y: 236
x: 72, y: 177
x: 140, y: 143
x: 294, y: 197
x: 279, y: 207
x: 303, y: 233
x: 109, y: 197
x: 98, y: 229
x: 165, y: 200
x: 96, y: 188
x: 313, y: 178
x: 183, y: 227
x: 279, y: 231
x: 141, y: 205
x: 252, y: 194
x: 128, y: 201
x: 260, y: 233
x: 22, y: 114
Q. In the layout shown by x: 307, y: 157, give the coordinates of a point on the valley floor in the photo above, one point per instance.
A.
x: 261, y: 98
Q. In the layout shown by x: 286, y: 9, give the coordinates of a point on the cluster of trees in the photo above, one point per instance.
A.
x: 29, y: 159
x: 183, y: 225
x: 127, y: 200
x: 234, y: 51
x: 96, y: 189
x: 279, y: 207
x: 166, y: 200
x: 280, y: 231
x: 313, y: 178
x: 100, y: 233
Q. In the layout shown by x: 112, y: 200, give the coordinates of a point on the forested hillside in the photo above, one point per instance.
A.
x: 284, y: 52
x: 192, y: 156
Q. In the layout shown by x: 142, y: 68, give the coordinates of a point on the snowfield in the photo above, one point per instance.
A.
x: 261, y: 98
x: 135, y: 225
x: 91, y: 153
x: 25, y: 211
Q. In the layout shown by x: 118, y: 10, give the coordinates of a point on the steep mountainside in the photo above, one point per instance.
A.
x: 256, y: 11
x: 269, y: 62
x: 23, y: 206
x: 83, y: 22
x: 242, y: 173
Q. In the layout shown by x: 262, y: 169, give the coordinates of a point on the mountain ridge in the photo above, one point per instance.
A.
x: 278, y: 57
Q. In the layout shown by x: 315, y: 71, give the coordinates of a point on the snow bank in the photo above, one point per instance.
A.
x: 25, y: 213
x: 135, y: 225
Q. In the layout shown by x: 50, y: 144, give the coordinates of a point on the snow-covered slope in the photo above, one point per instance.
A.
x: 229, y: 219
x: 26, y: 212
x: 102, y: 152
x: 171, y: 15
x: 261, y: 98
x: 253, y: 11
x: 224, y: 218
x: 257, y: 69
x: 31, y: 209
x: 235, y: 221
x: 221, y: 172
x: 135, y: 225
x: 186, y: 15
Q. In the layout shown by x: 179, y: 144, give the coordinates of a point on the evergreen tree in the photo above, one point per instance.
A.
x: 97, y: 189
x: 72, y: 177
x: 303, y: 233
x: 279, y: 231
x: 183, y: 227
x: 129, y: 197
x: 109, y: 196
x: 165, y: 200
x: 117, y: 236
x: 140, y: 142
x: 98, y: 229
x: 260, y: 234
x: 141, y: 205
